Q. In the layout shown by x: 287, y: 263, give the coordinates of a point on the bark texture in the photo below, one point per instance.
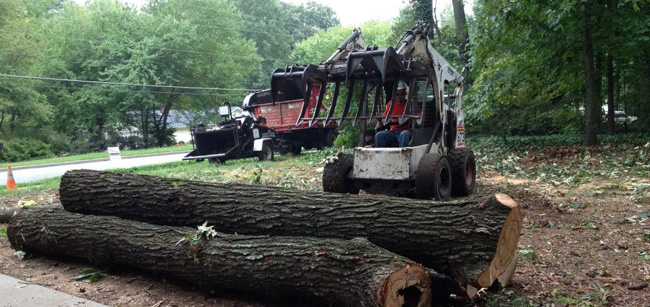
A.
x: 5, y: 214
x: 346, y: 272
x: 592, y: 106
x: 473, y: 241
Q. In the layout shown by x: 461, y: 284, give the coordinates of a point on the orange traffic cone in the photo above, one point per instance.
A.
x: 11, y: 182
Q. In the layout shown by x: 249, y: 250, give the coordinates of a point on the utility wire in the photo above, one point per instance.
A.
x: 129, y: 84
x: 118, y: 91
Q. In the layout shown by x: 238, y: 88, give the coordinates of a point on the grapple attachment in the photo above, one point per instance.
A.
x: 355, y: 77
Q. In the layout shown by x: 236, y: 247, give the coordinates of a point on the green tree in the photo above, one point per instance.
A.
x: 321, y: 45
x: 305, y: 20
x: 530, y: 62
x: 171, y: 45
x: 24, y: 112
x: 264, y: 24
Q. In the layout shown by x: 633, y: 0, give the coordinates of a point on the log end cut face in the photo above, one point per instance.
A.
x: 502, y: 266
x: 408, y: 286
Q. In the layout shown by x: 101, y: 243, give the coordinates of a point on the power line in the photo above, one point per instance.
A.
x: 116, y: 91
x: 128, y: 84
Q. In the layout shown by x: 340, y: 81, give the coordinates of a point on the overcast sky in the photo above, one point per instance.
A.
x: 356, y: 12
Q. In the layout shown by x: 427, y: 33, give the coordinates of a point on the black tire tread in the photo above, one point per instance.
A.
x: 458, y: 158
x: 426, y: 183
x: 261, y: 154
x: 335, y: 174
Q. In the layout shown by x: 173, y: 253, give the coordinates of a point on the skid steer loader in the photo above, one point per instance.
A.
x: 436, y: 163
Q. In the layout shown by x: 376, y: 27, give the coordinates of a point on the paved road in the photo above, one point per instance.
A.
x: 18, y: 293
x: 27, y: 174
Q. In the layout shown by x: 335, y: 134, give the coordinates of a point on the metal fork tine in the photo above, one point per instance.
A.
x: 337, y: 88
x: 319, y: 103
x: 363, y: 103
x: 348, y: 100
x: 305, y: 102
x: 375, y: 104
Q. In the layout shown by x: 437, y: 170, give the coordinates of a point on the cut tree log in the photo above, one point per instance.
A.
x: 343, y: 272
x: 473, y: 241
x: 6, y: 214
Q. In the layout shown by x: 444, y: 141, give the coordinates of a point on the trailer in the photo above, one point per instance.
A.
x: 282, y: 117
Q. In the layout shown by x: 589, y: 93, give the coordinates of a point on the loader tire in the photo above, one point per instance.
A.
x: 335, y: 175
x: 266, y: 154
x: 463, y: 171
x: 433, y: 177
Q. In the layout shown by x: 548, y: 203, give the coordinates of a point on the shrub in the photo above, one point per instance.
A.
x: 20, y: 149
x: 348, y: 136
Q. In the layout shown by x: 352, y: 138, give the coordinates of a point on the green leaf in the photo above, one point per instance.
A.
x: 90, y: 274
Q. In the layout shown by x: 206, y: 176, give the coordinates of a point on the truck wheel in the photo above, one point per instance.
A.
x: 335, y: 175
x: 296, y: 148
x: 266, y: 154
x: 463, y: 171
x: 433, y: 177
x: 330, y: 137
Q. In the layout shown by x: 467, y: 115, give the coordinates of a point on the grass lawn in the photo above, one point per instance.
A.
x: 300, y: 172
x: 585, y: 232
x: 101, y: 155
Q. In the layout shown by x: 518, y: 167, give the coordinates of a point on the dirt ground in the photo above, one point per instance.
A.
x: 581, y: 246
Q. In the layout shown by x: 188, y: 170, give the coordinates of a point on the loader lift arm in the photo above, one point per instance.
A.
x: 355, y: 64
x: 368, y: 77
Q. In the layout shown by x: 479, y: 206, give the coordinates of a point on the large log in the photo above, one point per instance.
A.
x: 344, y: 272
x: 6, y: 214
x: 474, y: 241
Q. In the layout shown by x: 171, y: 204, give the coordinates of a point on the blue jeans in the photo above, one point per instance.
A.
x: 389, y: 137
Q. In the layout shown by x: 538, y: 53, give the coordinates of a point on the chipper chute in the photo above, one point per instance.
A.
x: 357, y: 83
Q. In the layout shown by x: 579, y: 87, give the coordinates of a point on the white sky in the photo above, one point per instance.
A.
x: 356, y: 12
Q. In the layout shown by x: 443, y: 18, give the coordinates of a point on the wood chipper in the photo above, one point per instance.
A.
x: 239, y: 135
x: 435, y: 163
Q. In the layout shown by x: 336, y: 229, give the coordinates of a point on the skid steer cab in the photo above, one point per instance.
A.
x: 238, y: 135
x: 358, y: 84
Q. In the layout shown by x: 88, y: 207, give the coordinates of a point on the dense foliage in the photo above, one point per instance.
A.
x: 114, y: 72
x: 140, y: 63
x: 529, y: 63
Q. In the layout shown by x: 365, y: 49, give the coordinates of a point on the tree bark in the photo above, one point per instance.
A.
x: 473, y: 241
x: 346, y: 272
x: 460, y: 23
x: 6, y: 214
x: 610, y: 95
x: 592, y: 107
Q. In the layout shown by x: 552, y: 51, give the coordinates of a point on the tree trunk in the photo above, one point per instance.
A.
x: 461, y: 30
x: 473, y: 241
x: 348, y: 272
x: 610, y: 95
x: 592, y: 111
x: 6, y: 214
x: 434, y: 16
